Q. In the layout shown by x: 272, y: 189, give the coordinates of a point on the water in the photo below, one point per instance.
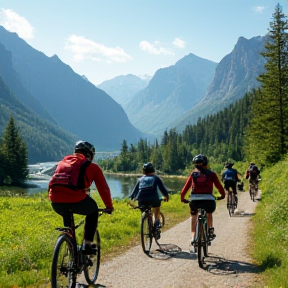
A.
x: 120, y: 186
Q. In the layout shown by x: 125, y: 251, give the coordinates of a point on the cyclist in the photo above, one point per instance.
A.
x: 201, y: 181
x: 253, y: 174
x: 68, y: 187
x: 230, y: 179
x: 146, y: 192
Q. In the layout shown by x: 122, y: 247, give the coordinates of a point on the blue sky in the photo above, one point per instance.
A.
x: 102, y: 39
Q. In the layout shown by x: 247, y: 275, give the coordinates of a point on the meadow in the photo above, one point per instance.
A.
x: 28, y: 235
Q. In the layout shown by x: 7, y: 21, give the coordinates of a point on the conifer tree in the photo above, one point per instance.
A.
x: 15, y: 154
x: 267, y: 135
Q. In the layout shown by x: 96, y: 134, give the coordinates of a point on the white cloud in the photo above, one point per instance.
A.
x: 259, y: 9
x: 154, y: 48
x: 179, y: 43
x: 13, y: 22
x: 83, y: 48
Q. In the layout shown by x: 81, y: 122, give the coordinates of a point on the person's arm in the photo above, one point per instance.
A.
x: 135, y: 191
x: 95, y: 173
x: 186, y: 187
x: 218, y: 185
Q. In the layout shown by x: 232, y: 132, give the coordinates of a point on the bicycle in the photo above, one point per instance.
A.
x: 148, y: 229
x: 231, y: 202
x: 253, y: 190
x: 68, y: 260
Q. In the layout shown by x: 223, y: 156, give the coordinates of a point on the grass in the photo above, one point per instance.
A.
x: 270, y: 235
x: 27, y: 235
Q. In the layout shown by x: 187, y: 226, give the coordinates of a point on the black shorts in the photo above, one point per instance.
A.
x: 232, y: 184
x: 147, y: 203
x: 208, y: 205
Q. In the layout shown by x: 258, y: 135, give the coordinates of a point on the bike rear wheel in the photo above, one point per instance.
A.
x: 200, y: 249
x: 229, y: 203
x: 205, y: 239
x: 63, y: 273
x: 146, y: 233
x: 92, y: 262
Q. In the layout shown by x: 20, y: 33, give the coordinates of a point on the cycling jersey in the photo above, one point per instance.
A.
x: 202, y: 183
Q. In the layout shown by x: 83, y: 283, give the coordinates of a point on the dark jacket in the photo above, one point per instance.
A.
x: 147, y: 188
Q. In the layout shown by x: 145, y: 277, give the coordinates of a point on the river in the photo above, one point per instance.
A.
x: 120, y: 185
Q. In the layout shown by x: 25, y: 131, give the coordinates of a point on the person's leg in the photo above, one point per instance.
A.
x: 194, y: 216
x: 89, y: 208
x: 63, y: 209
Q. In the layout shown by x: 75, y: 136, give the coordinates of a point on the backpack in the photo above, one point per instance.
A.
x: 147, y: 183
x: 70, y: 172
x: 253, y: 171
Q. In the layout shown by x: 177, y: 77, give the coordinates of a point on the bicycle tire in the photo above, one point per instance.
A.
x: 200, y: 250
x: 162, y: 219
x: 63, y: 273
x: 92, y: 262
x: 146, y: 233
x: 205, y: 238
x: 229, y: 204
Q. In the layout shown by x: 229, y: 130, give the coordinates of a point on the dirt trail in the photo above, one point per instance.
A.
x: 229, y: 263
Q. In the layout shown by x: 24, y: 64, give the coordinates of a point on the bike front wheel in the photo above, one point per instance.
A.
x: 63, y: 274
x: 92, y: 262
x: 162, y: 219
x: 146, y: 233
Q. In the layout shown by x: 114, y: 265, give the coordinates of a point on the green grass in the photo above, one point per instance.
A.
x: 270, y: 235
x: 27, y: 235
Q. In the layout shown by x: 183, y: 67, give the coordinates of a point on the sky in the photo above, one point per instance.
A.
x: 102, y: 39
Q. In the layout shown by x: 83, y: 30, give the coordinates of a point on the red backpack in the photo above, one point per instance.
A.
x: 70, y: 172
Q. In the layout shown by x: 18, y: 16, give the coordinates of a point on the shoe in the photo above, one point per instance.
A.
x: 211, y: 235
x: 193, y: 247
x: 89, y: 249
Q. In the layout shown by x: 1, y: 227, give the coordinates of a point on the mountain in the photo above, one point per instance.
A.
x: 45, y: 140
x: 77, y: 105
x: 235, y: 75
x: 171, y: 92
x: 12, y: 79
x: 122, y: 88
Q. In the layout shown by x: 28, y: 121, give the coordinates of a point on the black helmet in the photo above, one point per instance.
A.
x: 228, y: 165
x: 200, y: 160
x: 85, y: 147
x: 148, y: 168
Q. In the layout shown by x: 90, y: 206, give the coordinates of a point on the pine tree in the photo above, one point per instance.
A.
x: 267, y: 135
x: 15, y: 154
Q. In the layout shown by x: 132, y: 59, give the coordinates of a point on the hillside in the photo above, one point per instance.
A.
x: 45, y: 140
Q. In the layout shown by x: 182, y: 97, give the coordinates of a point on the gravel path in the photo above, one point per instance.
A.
x: 229, y: 263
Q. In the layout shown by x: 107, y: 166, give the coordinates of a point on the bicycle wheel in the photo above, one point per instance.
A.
x: 205, y: 240
x: 63, y: 274
x: 229, y: 203
x: 92, y: 262
x: 200, y: 250
x: 232, y: 203
x: 146, y: 233
x: 162, y: 219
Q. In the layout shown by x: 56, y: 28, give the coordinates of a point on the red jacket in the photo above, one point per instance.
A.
x: 200, y: 187
x: 58, y: 194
